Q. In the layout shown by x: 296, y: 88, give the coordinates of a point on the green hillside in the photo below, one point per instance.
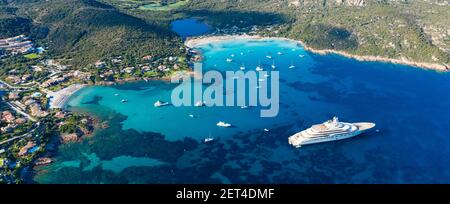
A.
x: 87, y: 31
x: 410, y: 29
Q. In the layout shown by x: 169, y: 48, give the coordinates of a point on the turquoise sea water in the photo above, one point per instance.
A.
x: 144, y: 144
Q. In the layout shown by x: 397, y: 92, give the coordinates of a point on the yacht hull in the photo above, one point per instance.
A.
x: 299, y: 139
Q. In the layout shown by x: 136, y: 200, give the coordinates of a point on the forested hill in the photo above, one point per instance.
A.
x: 88, y: 30
x: 416, y: 30
x: 85, y: 30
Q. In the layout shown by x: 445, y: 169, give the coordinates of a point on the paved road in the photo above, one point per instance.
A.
x: 13, y: 87
x: 7, y: 85
x: 28, y: 134
x: 18, y: 110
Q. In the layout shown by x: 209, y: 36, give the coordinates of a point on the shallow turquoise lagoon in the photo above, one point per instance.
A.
x: 145, y: 144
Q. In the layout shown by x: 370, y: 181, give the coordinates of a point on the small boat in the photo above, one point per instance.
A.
x: 261, y: 80
x: 191, y: 115
x: 160, y: 103
x: 242, y: 67
x: 279, y: 53
x: 208, y: 139
x: 223, y: 124
x: 266, y: 75
x: 124, y: 100
x: 116, y: 94
x: 229, y: 60
x: 199, y: 104
x: 244, y: 107
x: 232, y: 55
x: 293, y: 50
x: 273, y: 65
x: 266, y: 130
x: 242, y: 53
x: 301, y: 56
x: 258, y: 68
x: 269, y: 57
x: 291, y: 67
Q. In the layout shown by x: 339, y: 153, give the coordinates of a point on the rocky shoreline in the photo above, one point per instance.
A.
x: 195, y: 42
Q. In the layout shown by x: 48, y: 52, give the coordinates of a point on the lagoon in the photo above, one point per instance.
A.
x: 410, y: 106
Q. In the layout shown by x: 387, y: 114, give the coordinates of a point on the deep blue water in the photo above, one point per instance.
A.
x: 144, y: 144
x: 190, y: 27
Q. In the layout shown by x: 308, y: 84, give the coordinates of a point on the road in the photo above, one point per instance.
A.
x: 18, y: 110
x: 13, y: 87
x: 28, y: 134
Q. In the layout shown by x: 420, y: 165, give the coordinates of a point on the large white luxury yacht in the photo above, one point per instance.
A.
x: 330, y: 130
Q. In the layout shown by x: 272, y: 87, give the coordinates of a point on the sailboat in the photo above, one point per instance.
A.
x: 208, y: 139
x: 199, y: 104
x: 259, y: 68
x: 273, y: 65
x: 292, y: 66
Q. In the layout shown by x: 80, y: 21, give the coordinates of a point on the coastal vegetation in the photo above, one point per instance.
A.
x: 88, y: 31
x: 149, y: 5
x: 106, y: 41
x: 411, y: 30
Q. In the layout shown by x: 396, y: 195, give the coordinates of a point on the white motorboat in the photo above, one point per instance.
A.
x: 223, y: 124
x: 161, y: 103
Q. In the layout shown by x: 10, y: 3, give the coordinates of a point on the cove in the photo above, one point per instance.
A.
x: 410, y: 106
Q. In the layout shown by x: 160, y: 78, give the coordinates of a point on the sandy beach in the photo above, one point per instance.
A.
x: 195, y: 42
x: 59, y: 98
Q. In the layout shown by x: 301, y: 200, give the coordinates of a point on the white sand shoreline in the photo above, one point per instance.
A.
x: 197, y: 41
x: 59, y: 98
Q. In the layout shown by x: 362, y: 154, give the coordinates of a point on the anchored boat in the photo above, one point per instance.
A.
x: 160, y: 103
x: 223, y: 124
x: 330, y: 130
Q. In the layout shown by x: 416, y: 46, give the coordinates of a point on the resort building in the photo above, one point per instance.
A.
x: 8, y: 117
x: 17, y: 45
